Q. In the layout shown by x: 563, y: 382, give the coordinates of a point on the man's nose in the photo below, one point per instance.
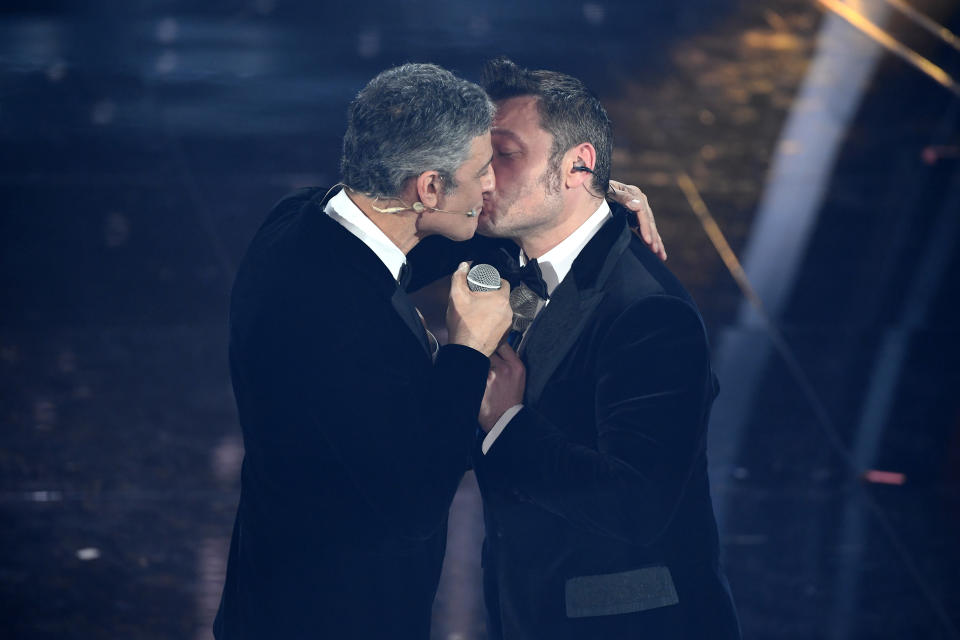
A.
x: 489, y: 181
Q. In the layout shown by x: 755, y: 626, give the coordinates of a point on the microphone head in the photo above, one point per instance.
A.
x: 520, y: 324
x: 524, y: 303
x: 483, y: 277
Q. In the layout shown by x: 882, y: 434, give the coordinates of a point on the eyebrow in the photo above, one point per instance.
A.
x: 484, y: 167
x: 508, y: 133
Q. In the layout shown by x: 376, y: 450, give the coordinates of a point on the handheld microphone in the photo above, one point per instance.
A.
x: 525, y: 304
x: 483, y: 277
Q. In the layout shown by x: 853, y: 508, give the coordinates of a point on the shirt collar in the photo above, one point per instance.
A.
x: 556, y: 263
x: 342, y: 209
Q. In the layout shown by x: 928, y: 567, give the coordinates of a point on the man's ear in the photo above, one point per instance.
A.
x: 575, y: 162
x: 429, y: 188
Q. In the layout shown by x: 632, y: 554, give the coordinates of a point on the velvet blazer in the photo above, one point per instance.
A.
x: 599, y: 522
x: 355, y: 439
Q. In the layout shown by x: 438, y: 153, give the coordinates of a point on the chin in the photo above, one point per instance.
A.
x: 484, y: 224
x: 459, y: 235
x: 489, y: 228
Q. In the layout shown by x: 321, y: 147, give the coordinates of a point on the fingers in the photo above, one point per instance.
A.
x: 496, y: 363
x: 505, y: 359
x: 459, y: 277
x: 657, y: 245
x: 647, y: 224
x: 644, y: 219
x: 652, y: 237
x: 635, y: 200
x: 506, y: 353
x: 491, y: 374
x: 622, y: 192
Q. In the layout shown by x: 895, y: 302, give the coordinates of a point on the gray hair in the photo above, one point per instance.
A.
x: 407, y: 120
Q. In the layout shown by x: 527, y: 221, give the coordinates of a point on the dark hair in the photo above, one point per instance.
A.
x: 568, y: 110
x: 407, y: 120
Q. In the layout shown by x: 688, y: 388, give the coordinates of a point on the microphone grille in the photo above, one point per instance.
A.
x: 524, y: 301
x: 520, y: 323
x: 483, y: 277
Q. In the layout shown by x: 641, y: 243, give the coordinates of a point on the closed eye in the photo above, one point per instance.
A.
x: 485, y: 169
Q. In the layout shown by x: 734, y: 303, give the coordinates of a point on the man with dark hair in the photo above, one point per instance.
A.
x: 357, y: 428
x: 593, y: 468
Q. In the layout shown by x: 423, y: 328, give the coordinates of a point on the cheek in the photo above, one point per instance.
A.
x: 506, y: 180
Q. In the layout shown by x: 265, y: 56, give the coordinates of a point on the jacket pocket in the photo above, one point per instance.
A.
x: 624, y: 592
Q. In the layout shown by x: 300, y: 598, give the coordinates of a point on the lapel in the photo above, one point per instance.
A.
x: 408, y: 313
x: 352, y: 253
x: 572, y: 303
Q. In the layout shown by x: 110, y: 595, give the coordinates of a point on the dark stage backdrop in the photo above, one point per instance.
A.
x: 141, y: 144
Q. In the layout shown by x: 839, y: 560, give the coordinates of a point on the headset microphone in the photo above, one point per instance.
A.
x: 419, y: 207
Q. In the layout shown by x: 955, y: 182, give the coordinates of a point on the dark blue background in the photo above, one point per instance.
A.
x: 141, y: 144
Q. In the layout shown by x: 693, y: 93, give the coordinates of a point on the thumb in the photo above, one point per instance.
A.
x: 458, y: 281
x: 506, y: 352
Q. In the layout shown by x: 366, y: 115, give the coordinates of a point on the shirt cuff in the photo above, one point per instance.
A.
x: 499, y: 427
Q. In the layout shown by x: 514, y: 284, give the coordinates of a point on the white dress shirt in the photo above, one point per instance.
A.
x: 554, y: 266
x: 345, y: 211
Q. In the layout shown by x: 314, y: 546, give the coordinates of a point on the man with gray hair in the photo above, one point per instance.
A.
x: 357, y: 427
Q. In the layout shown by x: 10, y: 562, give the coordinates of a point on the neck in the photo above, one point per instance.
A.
x: 400, y: 227
x: 538, y: 241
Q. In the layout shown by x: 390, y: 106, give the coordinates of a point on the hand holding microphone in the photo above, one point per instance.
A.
x: 506, y: 383
x: 478, y: 311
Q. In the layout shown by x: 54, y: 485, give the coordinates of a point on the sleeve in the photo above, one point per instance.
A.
x: 406, y: 446
x: 498, y: 427
x: 335, y: 410
x: 653, y: 387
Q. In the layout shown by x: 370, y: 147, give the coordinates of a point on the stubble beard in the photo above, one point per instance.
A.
x: 517, y: 223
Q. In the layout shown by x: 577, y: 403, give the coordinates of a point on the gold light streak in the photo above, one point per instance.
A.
x: 938, y: 30
x: 806, y: 386
x: 720, y: 243
x: 883, y: 38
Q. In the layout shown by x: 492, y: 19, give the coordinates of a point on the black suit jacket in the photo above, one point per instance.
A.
x: 597, y: 506
x: 355, y: 440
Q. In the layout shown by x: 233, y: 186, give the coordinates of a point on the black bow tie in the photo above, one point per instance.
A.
x: 531, y: 276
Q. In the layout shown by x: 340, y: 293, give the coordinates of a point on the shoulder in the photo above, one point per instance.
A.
x: 283, y: 267
x: 643, y: 293
x: 639, y: 274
